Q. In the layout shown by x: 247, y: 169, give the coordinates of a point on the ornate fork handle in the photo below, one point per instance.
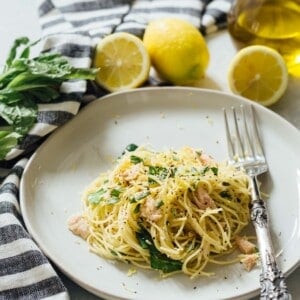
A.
x: 272, y: 280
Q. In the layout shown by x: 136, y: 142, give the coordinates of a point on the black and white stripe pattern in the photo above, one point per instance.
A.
x: 72, y: 27
x: 25, y: 273
x: 99, y: 18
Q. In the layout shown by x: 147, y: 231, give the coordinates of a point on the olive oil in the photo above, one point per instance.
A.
x: 273, y: 23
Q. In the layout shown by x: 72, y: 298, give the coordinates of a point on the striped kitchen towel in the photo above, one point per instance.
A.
x: 72, y: 27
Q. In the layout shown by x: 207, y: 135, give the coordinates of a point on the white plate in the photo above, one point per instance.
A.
x: 162, y: 117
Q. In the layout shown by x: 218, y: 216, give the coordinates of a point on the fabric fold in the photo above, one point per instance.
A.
x: 25, y: 272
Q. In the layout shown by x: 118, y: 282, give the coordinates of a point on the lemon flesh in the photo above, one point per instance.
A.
x: 177, y: 50
x: 123, y: 61
x: 258, y: 73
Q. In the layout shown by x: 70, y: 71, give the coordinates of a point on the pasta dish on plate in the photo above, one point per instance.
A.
x: 173, y: 211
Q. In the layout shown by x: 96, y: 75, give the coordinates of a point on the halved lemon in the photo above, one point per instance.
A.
x: 258, y: 73
x: 123, y: 62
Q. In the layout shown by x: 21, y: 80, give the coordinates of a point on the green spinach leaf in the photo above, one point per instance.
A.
x: 158, y: 260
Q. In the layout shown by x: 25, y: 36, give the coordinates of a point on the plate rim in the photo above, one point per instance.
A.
x: 88, y: 107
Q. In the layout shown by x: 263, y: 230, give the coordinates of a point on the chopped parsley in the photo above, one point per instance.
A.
x: 131, y: 147
x: 225, y: 194
x: 135, y: 159
x: 139, y: 196
x: 96, y: 197
x: 137, y: 208
x: 214, y: 170
x: 160, y: 172
x: 115, y: 196
x: 159, y: 204
x: 115, y: 193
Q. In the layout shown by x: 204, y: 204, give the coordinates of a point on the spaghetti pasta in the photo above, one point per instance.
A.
x: 175, y: 211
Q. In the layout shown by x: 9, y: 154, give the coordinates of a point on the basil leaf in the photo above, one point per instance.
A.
x: 27, y: 82
x: 162, y: 262
x: 96, y: 197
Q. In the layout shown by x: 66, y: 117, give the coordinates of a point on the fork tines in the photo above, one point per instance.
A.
x: 242, y: 135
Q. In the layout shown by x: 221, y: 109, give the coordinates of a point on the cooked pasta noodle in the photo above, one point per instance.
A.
x: 174, y: 211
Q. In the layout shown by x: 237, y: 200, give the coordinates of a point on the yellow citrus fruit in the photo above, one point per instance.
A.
x: 258, y: 73
x: 123, y: 62
x: 177, y: 50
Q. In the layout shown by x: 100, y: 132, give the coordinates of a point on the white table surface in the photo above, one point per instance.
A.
x: 19, y: 18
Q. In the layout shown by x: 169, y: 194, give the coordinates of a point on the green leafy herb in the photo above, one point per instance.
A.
x: 174, y: 212
x: 115, y: 193
x: 159, y: 204
x: 135, y: 159
x: 137, y: 208
x: 112, y: 200
x: 113, y: 252
x: 115, y: 196
x: 161, y: 262
x: 26, y: 82
x: 96, y: 197
x: 214, y: 170
x: 225, y: 194
x: 206, y: 169
x: 8, y: 140
x: 131, y: 147
x: 139, y: 196
x: 158, y: 260
x: 173, y: 172
x: 159, y: 172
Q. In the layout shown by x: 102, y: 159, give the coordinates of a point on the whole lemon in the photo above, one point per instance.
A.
x: 177, y: 50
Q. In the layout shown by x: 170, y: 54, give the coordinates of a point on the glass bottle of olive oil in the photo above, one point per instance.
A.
x: 273, y: 23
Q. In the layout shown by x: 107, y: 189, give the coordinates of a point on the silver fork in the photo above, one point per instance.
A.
x: 245, y: 151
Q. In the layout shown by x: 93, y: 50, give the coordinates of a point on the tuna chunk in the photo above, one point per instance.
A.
x: 202, y: 199
x: 249, y: 261
x: 78, y: 225
x: 244, y: 245
x: 206, y: 159
x: 132, y: 173
x: 150, y: 211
